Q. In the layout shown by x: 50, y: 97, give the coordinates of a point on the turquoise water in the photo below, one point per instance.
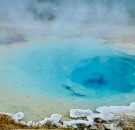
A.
x: 81, y: 69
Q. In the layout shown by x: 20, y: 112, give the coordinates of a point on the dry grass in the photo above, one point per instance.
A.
x: 7, y: 123
x: 125, y: 123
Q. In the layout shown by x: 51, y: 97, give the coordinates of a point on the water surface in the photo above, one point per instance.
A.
x: 79, y: 71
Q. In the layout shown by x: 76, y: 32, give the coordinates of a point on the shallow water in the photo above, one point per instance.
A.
x: 77, y: 71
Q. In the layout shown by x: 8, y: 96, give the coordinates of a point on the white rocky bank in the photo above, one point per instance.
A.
x: 103, y: 113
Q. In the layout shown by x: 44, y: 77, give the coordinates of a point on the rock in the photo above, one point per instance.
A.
x: 75, y: 122
x: 104, y: 116
x: 18, y: 116
x: 97, y: 120
x: 116, y: 109
x: 22, y: 122
x: 41, y: 123
x: 109, y: 126
x: 75, y: 113
x: 30, y: 123
x: 55, y: 118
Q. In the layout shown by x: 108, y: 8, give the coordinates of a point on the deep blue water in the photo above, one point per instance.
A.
x: 114, y: 73
x: 81, y: 68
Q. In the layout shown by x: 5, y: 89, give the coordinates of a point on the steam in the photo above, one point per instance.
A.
x: 55, y: 16
x: 91, y: 11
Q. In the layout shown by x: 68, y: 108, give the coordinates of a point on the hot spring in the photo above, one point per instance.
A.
x: 81, y: 73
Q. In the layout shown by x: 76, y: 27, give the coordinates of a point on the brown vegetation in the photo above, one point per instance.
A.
x: 124, y: 123
x: 7, y: 123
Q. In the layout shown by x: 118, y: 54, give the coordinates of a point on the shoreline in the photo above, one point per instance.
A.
x: 36, y: 107
x: 105, y: 117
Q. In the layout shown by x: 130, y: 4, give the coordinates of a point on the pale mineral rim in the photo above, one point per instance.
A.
x: 104, y: 113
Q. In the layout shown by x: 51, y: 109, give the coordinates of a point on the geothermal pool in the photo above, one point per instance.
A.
x: 83, y: 72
